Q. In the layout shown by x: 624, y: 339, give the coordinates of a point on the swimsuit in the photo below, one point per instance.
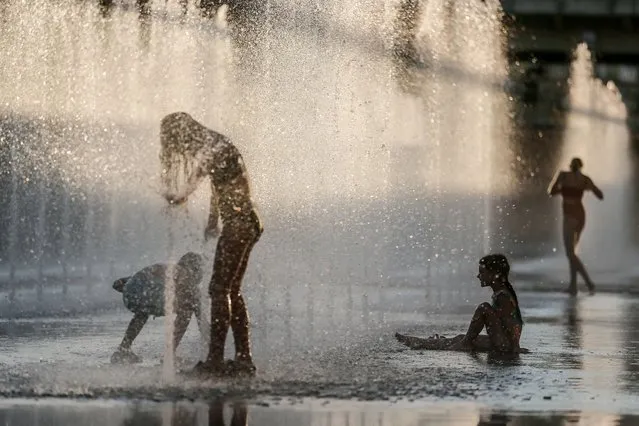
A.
x: 572, y: 206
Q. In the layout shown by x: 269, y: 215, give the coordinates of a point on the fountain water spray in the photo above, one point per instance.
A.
x: 364, y: 186
x: 64, y: 252
x: 13, y: 222
x: 40, y: 234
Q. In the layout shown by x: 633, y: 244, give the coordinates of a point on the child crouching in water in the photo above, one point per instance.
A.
x: 143, y: 294
x: 501, y: 318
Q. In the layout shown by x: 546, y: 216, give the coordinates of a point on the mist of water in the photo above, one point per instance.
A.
x: 364, y: 179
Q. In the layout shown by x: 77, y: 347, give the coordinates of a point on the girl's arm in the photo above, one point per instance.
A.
x: 132, y: 331
x: 191, y: 185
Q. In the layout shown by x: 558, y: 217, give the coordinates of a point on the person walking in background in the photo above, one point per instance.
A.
x: 571, y: 185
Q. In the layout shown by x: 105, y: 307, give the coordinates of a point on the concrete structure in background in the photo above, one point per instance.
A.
x: 573, y: 7
x: 544, y: 33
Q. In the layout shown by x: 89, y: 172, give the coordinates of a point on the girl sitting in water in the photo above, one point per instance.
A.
x: 501, y: 318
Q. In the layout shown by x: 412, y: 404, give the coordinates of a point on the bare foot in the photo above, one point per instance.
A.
x: 227, y: 369
x: 571, y: 291
x: 125, y: 356
x: 243, y: 368
x: 208, y: 370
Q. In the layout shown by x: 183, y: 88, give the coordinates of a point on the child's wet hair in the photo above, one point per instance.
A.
x: 496, y: 263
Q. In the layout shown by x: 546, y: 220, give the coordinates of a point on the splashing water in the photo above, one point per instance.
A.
x: 361, y: 183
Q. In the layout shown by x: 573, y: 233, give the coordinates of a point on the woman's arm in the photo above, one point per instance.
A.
x: 555, y: 185
x: 212, y: 229
x: 591, y: 186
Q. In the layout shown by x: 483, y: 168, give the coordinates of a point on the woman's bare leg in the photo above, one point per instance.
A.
x: 570, y: 238
x: 581, y: 268
x: 239, y: 312
x: 571, y: 234
x: 228, y: 256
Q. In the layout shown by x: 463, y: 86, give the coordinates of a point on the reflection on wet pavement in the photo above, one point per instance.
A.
x: 583, y: 368
x: 306, y: 413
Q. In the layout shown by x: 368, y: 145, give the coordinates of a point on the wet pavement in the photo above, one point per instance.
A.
x: 583, y: 364
x: 550, y: 273
x: 326, y: 298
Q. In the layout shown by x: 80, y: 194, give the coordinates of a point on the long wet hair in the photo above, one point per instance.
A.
x: 181, y: 138
x: 498, y: 263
